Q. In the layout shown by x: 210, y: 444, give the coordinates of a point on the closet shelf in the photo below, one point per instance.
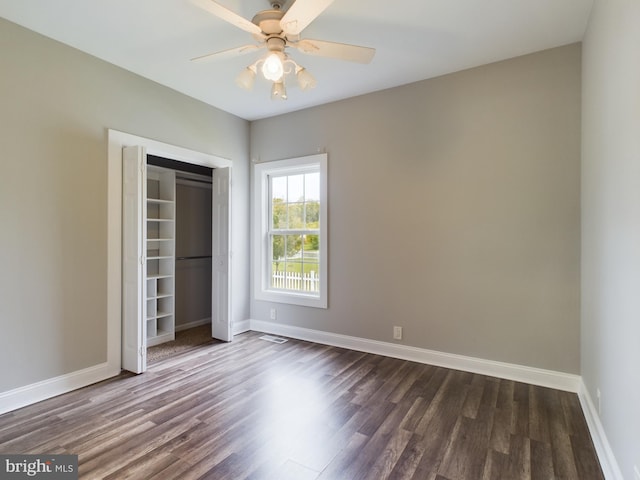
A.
x: 160, y: 244
x: 160, y: 295
x: 162, y: 332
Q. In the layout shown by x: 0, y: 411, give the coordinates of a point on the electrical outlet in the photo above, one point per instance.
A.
x: 636, y: 471
x: 397, y: 333
x: 598, y: 397
x: 273, y: 314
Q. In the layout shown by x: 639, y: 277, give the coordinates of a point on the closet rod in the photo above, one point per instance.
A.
x: 192, y: 179
x: 193, y: 258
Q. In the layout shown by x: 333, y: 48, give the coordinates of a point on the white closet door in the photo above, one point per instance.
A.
x: 220, y: 284
x: 134, y: 206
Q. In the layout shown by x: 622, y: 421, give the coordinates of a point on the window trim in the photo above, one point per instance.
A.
x: 261, y: 217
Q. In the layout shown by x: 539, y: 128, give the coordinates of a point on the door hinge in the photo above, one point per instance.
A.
x: 141, y: 351
x: 141, y: 260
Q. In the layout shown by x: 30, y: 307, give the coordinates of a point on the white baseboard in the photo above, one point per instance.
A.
x: 36, y: 392
x: 196, y: 323
x: 237, y: 327
x: 241, y: 327
x: 519, y: 373
x: 608, y: 461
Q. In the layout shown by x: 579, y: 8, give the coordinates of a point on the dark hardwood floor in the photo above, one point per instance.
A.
x: 257, y: 410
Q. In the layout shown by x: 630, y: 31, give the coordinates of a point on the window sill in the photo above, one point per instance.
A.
x: 292, y: 298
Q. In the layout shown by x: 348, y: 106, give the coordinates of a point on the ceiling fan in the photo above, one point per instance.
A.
x: 276, y: 30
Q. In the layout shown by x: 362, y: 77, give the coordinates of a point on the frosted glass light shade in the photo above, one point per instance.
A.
x: 246, y: 79
x: 272, y: 67
x: 305, y: 79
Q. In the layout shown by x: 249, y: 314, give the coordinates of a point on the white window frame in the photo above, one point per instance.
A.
x: 261, y: 246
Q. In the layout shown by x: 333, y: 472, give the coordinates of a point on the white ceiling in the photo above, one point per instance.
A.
x: 414, y: 39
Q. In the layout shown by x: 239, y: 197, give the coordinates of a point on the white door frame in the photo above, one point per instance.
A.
x: 116, y: 141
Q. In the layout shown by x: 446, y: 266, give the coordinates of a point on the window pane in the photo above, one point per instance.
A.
x: 295, y: 264
x: 311, y: 266
x: 279, y: 214
x: 312, y: 186
x: 294, y: 247
x: 277, y: 248
x: 279, y: 263
x: 296, y: 215
x: 278, y: 202
x: 279, y: 188
x: 295, y: 188
x: 312, y: 214
x: 311, y: 247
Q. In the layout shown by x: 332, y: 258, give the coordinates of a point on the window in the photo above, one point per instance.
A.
x: 290, y: 223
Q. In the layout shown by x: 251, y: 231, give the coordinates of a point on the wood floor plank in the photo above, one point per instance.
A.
x: 438, y: 425
x: 520, y: 410
x: 294, y: 471
x: 388, y: 458
x: 379, y: 455
x: 518, y: 466
x: 339, y: 467
x: 504, y: 399
x: 585, y: 457
x: 409, y: 459
x: 467, y: 450
x: 541, y: 402
x: 336, y: 443
x: 541, y: 461
x: 500, y: 439
x: 474, y: 397
x: 495, y: 465
x: 148, y: 466
x: 255, y: 410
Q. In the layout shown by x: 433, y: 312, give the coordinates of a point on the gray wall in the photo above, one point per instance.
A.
x: 454, y: 210
x: 611, y: 223
x: 57, y: 104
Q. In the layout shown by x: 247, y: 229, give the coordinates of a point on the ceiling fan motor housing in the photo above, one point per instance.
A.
x: 269, y: 21
x: 276, y: 44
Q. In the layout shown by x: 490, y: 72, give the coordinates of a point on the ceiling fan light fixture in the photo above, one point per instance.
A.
x: 272, y: 67
x: 247, y: 78
x: 276, y: 30
x: 306, y: 81
x: 278, y: 91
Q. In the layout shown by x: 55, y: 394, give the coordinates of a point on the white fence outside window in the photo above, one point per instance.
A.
x: 302, y: 282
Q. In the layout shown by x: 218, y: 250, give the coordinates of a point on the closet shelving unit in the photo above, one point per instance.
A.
x: 160, y: 238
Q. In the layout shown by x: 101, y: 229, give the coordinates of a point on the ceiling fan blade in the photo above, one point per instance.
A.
x: 227, y: 15
x: 342, y: 51
x: 301, y: 14
x: 232, y: 52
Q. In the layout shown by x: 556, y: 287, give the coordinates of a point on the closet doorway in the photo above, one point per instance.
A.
x: 153, y: 303
x: 193, y: 257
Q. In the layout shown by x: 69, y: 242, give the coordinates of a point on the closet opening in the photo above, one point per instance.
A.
x: 192, y: 256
